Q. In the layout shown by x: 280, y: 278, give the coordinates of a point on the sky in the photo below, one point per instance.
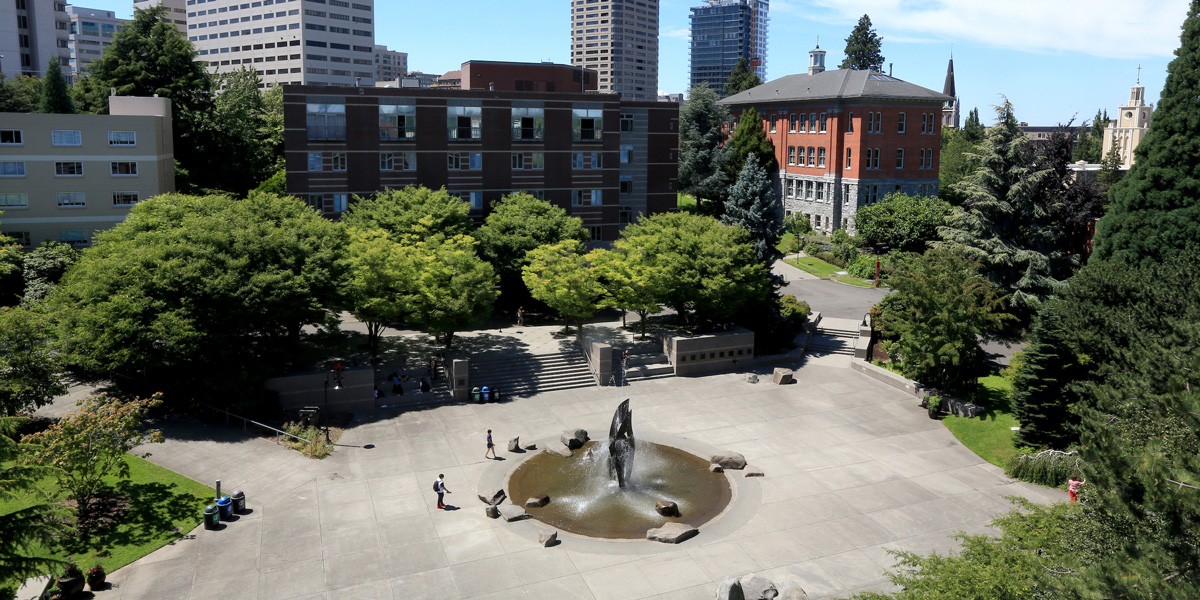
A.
x: 1055, y: 60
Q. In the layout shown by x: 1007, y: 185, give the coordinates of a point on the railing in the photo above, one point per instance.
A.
x: 247, y: 422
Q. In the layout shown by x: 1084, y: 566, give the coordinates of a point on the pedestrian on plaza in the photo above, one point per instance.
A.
x: 490, y: 446
x: 520, y: 316
x: 425, y: 387
x: 337, y: 372
x: 433, y: 368
x: 378, y: 393
x: 397, y: 386
x: 439, y: 486
x: 1073, y: 488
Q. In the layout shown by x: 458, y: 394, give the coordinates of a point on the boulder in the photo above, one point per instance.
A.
x: 531, y: 446
x: 757, y: 587
x: 514, y: 445
x: 730, y: 589
x: 557, y: 450
x: 782, y: 376
x: 729, y: 460
x: 751, y: 378
x: 671, y: 533
x: 495, y: 498
x: 789, y: 588
x: 512, y: 512
x: 666, y: 508
x: 537, y: 501
x: 753, y: 471
x: 715, y: 468
x: 547, y: 537
x: 492, y: 512
x: 574, y: 438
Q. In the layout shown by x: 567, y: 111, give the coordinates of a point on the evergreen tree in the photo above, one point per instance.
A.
x: 702, y: 153
x: 1110, y: 167
x: 752, y: 205
x: 749, y: 137
x: 974, y: 129
x: 1090, y: 142
x: 234, y: 130
x: 56, y: 97
x: 958, y: 160
x: 1039, y: 399
x: 27, y: 531
x: 1155, y: 207
x: 863, y: 48
x: 19, y: 94
x: 741, y: 78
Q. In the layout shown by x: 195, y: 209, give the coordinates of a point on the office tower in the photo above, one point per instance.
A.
x: 619, y: 40
x: 390, y: 65
x: 92, y: 30
x: 724, y: 31
x: 31, y: 32
x: 176, y: 11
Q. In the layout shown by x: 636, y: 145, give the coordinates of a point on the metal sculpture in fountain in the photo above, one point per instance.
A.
x: 620, y: 445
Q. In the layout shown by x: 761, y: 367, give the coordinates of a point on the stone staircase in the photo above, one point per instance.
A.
x: 648, y: 365
x: 532, y: 374
x: 834, y: 336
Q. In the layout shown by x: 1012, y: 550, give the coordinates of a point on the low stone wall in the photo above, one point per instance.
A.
x: 711, y: 353
x: 950, y: 404
x: 308, y: 389
x: 600, y: 358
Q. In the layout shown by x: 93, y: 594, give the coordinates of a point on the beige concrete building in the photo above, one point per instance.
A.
x: 619, y: 40
x: 65, y: 177
x: 390, y: 65
x: 92, y: 30
x: 176, y: 11
x: 1127, y: 130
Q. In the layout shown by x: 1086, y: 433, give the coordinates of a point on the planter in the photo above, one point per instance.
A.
x: 96, y: 582
x: 933, y: 414
x: 70, y: 586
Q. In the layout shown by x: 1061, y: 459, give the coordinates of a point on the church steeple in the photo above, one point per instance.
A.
x: 816, y: 60
x: 950, y: 108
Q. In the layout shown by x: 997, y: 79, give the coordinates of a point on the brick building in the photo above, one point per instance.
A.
x: 602, y: 159
x: 844, y: 139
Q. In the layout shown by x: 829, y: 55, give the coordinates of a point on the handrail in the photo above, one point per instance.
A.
x: 246, y: 421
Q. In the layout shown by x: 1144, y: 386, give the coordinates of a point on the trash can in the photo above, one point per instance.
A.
x: 225, y: 505
x: 487, y: 394
x: 495, y: 394
x: 210, y: 517
x: 239, y: 502
x: 476, y: 395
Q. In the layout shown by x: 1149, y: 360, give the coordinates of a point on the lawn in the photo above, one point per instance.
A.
x: 814, y: 266
x: 989, y: 435
x: 685, y: 202
x: 163, y: 506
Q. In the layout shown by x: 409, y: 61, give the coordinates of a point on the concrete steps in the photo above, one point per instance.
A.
x: 532, y: 374
x: 833, y: 338
x: 648, y: 366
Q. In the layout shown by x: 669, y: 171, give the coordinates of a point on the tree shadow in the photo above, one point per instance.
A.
x: 150, y: 514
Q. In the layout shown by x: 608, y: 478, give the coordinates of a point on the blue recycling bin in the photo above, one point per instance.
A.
x: 225, y: 506
x: 487, y: 393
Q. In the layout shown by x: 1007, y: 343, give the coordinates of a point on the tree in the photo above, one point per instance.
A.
x: 1110, y: 167
x: 30, y: 374
x: 410, y: 211
x: 863, y: 48
x: 798, y: 225
x: 12, y: 280
x: 56, y: 97
x: 90, y: 444
x: 45, y: 266
x: 1040, y: 400
x: 27, y: 530
x: 629, y: 279
x: 974, y: 129
x: 20, y: 94
x: 702, y: 153
x: 565, y: 278
x: 201, y: 297
x: 453, y: 288
x: 749, y: 137
x: 901, y: 222
x: 270, y: 129
x: 1090, y: 139
x: 935, y: 319
x: 235, y: 129
x: 1155, y: 209
x: 700, y: 267
x: 378, y: 283
x: 517, y: 224
x: 275, y: 184
x: 741, y: 78
x: 959, y: 159
x: 752, y: 205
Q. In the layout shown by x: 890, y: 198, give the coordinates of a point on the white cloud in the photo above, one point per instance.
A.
x: 1106, y: 28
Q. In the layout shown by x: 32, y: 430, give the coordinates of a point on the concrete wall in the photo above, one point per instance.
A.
x: 308, y: 389
x: 701, y: 354
x: 600, y: 358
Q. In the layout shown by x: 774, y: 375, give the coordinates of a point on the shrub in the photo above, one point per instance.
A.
x: 318, y: 448
x: 794, y: 311
x: 1050, y: 468
x: 70, y: 570
x: 863, y: 266
x: 812, y: 248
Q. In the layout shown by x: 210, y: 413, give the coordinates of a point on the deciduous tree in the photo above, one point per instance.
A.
x: 410, y: 211
x: 378, y: 282
x: 974, y: 129
x: 901, y: 222
x: 517, y: 224
x: 453, y: 288
x: 20, y: 94
x: 863, y: 48
x: 565, y: 278
x: 629, y: 278
x: 44, y: 267
x: 30, y: 373
x: 752, y: 205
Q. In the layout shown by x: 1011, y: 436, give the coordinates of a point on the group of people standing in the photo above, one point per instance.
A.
x: 400, y: 377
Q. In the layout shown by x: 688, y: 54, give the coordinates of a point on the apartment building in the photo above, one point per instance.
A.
x: 176, y: 11
x: 317, y: 42
x: 603, y: 159
x: 390, y: 65
x: 619, y: 40
x: 31, y: 33
x: 845, y: 139
x: 92, y: 30
x: 723, y: 32
x: 65, y: 177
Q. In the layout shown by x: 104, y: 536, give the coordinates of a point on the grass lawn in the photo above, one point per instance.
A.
x: 685, y: 202
x: 855, y: 281
x: 785, y: 243
x: 815, y: 266
x: 988, y: 435
x: 163, y: 506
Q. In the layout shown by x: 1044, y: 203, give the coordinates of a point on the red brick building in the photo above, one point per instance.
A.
x: 845, y: 139
x: 505, y: 76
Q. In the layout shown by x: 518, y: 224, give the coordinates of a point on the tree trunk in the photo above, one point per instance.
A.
x: 449, y: 340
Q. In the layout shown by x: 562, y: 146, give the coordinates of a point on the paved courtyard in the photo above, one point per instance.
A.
x: 853, y: 469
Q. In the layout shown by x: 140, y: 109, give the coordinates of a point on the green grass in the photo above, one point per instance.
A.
x: 686, y: 202
x: 163, y: 506
x: 855, y: 281
x: 989, y: 435
x: 814, y: 266
x: 785, y: 243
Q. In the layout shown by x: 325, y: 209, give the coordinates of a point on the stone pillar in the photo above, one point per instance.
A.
x: 460, y: 379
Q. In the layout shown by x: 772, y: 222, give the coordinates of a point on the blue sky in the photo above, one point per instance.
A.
x: 1053, y: 59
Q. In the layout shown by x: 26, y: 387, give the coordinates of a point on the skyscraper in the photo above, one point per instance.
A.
x: 619, y: 40
x: 92, y: 30
x: 31, y: 33
x: 724, y: 31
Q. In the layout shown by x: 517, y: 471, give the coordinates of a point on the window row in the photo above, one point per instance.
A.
x: 67, y: 137
x: 802, y: 123
x: 70, y: 168
x: 462, y: 161
x: 75, y: 237
x: 398, y: 122
x: 813, y: 191
x: 18, y: 200
x: 874, y: 123
x: 812, y: 157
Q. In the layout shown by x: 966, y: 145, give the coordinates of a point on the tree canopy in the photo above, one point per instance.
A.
x: 453, y: 289
x: 741, y: 78
x: 564, y: 277
x: 749, y: 137
x: 1089, y: 142
x: 30, y: 369
x: 26, y: 531
x: 517, y: 224
x: 752, y: 205
x: 702, y: 150
x: 901, y: 222
x: 863, y: 48
x: 410, y: 210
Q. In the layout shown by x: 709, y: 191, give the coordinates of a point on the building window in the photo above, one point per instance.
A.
x: 812, y: 122
x: 803, y: 123
x: 72, y: 199
x: 406, y: 161
x: 774, y: 122
x: 21, y: 237
x: 453, y: 161
x: 341, y: 202
x: 476, y: 200
x: 791, y: 155
x: 792, y: 123
x: 849, y: 154
x: 124, y: 168
x: 824, y: 122
x: 464, y: 122
x: 820, y: 189
x: 315, y: 161
x: 75, y: 237
x: 397, y: 121
x: 14, y: 200
x: 528, y: 124
x: 585, y: 197
x: 900, y: 158
x: 595, y: 231
x: 122, y: 138
x: 850, y: 123
x: 475, y: 161
x: 125, y: 198
x: 337, y: 161
x: 11, y: 137
x: 812, y: 156
x: 326, y: 121
x: 68, y: 169
x: 587, y: 124
x: 900, y: 122
x: 537, y: 160
x: 626, y: 122
x: 626, y: 154
x: 66, y: 137
x: 387, y: 161
x: 518, y: 160
x: 625, y: 215
x: 875, y: 158
x: 820, y: 157
x: 317, y: 202
x: 12, y: 169
x: 626, y: 184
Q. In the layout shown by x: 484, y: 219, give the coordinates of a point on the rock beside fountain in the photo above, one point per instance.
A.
x: 557, y: 450
x: 547, y: 537
x: 753, y: 471
x: 757, y: 587
x: 729, y: 460
x: 531, y: 446
x: 782, y: 376
x: 666, y: 508
x: 537, y: 501
x: 715, y: 468
x: 751, y: 378
x: 730, y: 589
x: 512, y: 512
x: 496, y: 498
x: 492, y: 512
x: 574, y: 438
x: 671, y: 533
x: 514, y: 445
x: 790, y: 588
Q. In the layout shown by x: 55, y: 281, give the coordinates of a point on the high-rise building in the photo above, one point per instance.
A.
x: 723, y: 32
x: 286, y: 41
x: 176, y: 11
x: 390, y: 65
x: 618, y: 40
x: 31, y: 33
x: 92, y: 30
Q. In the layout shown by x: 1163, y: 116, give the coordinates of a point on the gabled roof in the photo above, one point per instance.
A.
x: 837, y: 84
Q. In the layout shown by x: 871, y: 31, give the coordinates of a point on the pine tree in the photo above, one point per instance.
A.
x: 974, y: 129
x: 741, y: 78
x: 1091, y: 139
x: 749, y: 137
x: 1110, y: 167
x: 702, y: 153
x: 752, y: 205
x: 1039, y: 399
x: 56, y: 97
x: 1155, y: 207
x: 863, y: 48
x: 26, y: 531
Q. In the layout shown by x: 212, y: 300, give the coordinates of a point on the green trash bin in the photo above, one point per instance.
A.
x: 211, y: 516
x: 477, y: 394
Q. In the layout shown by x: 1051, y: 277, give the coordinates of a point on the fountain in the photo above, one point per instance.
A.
x: 601, y: 491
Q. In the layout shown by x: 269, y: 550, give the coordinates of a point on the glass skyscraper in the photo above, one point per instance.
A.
x: 724, y: 31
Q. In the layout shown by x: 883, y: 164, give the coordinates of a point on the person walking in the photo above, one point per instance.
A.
x: 520, y: 316
x: 1073, y: 488
x: 491, y: 447
x: 439, y: 486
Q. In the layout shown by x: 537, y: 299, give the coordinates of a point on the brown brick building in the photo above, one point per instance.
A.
x: 844, y: 139
x: 604, y: 160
